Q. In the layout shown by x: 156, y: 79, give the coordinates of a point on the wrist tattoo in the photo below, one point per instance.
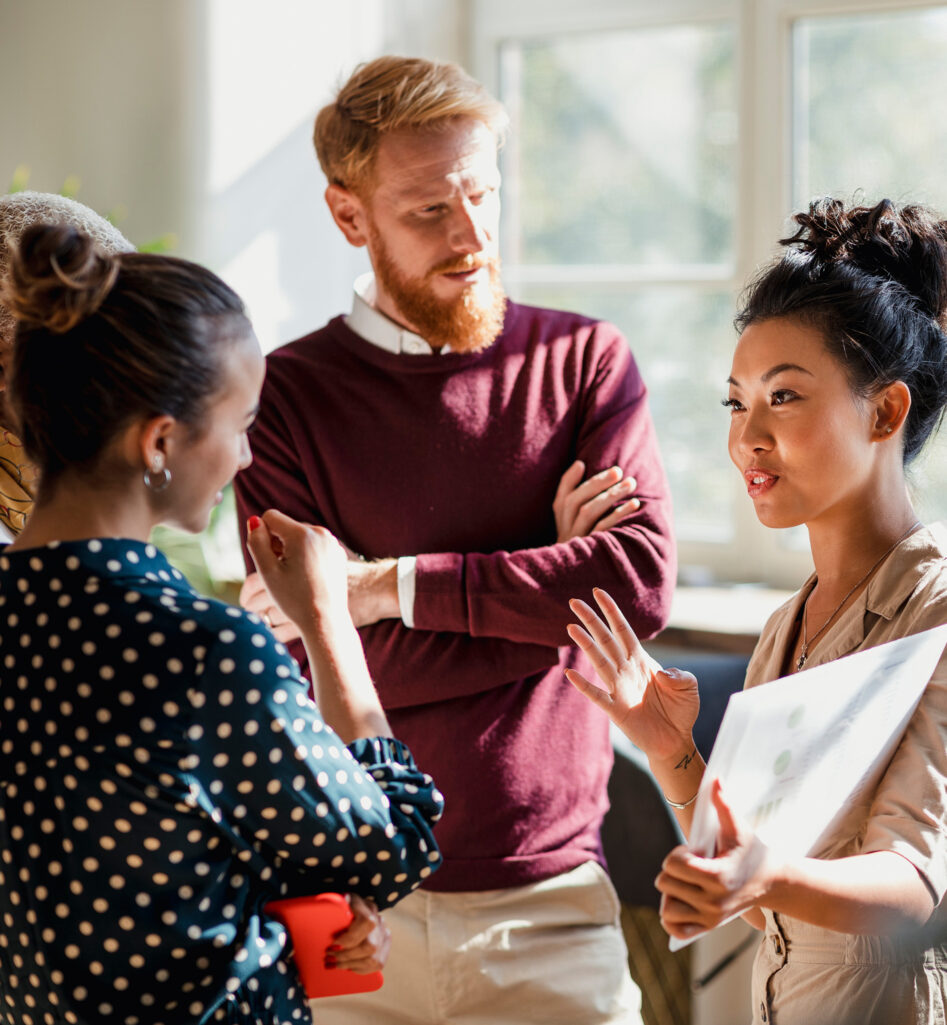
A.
x: 686, y: 760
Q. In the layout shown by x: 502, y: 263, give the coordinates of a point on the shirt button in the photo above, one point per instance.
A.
x: 777, y: 946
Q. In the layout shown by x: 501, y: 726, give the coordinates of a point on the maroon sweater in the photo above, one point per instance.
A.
x: 456, y: 459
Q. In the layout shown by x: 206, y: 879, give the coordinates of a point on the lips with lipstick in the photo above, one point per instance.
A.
x: 759, y: 481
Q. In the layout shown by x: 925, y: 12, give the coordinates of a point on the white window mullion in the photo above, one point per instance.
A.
x: 768, y: 141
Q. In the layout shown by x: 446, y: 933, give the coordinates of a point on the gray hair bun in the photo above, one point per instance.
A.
x: 22, y: 210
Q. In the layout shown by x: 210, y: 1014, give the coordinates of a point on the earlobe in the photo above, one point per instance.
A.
x: 348, y: 213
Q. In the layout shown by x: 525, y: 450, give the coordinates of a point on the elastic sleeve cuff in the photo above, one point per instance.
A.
x: 406, y: 588
x: 371, y: 752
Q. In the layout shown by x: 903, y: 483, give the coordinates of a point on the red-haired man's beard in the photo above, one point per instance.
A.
x: 468, y: 323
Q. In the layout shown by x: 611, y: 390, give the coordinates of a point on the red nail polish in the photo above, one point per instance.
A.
x: 253, y: 523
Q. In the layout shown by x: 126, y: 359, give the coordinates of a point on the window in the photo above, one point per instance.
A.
x: 655, y: 155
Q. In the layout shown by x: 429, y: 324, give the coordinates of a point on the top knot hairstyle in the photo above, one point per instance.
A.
x: 873, y: 280
x: 103, y: 339
x: 391, y: 94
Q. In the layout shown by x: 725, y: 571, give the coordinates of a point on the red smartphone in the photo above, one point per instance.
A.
x: 313, y: 923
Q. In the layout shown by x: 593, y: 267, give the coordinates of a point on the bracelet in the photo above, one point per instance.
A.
x: 680, y: 807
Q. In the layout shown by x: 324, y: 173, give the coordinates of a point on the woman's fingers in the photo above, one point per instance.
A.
x: 602, y: 664
x: 603, y: 643
x: 729, y: 834
x: 715, y: 888
x: 595, y: 694
x: 683, y: 868
x: 625, y: 637
x: 361, y: 965
x: 364, y: 920
x: 689, y: 899
x: 261, y: 547
x: 363, y: 946
x: 681, y: 920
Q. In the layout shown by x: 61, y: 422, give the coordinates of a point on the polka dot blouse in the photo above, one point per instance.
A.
x: 164, y: 774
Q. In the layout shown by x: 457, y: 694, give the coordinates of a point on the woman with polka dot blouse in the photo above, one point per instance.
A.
x: 164, y: 772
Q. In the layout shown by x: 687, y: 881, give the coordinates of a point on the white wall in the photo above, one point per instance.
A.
x: 196, y: 116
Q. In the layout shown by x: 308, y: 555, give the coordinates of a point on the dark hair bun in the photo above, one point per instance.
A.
x: 904, y: 244
x: 58, y: 277
x: 873, y: 281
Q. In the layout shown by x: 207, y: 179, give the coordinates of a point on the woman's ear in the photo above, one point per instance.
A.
x: 891, y: 405
x: 348, y: 212
x: 147, y: 443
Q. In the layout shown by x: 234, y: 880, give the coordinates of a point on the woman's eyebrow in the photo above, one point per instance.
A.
x: 780, y: 367
x: 773, y: 371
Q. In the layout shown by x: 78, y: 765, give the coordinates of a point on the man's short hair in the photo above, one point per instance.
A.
x: 21, y: 210
x: 390, y: 94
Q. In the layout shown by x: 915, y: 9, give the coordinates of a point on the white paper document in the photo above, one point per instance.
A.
x: 796, y: 755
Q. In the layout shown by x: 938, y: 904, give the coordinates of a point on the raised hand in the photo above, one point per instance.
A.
x: 305, y: 571
x: 699, y: 893
x: 303, y: 568
x: 655, y: 708
x: 582, y: 507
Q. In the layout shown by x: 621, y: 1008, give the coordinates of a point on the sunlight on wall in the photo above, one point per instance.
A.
x: 268, y: 68
x: 253, y: 273
x: 266, y: 229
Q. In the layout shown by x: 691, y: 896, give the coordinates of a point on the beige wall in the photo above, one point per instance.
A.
x: 103, y: 90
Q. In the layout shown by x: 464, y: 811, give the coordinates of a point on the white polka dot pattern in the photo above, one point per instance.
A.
x: 164, y: 773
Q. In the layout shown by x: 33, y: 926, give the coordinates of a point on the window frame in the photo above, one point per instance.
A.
x: 764, y: 176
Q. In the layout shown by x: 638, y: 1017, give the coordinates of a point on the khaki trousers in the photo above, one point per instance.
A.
x: 551, y: 952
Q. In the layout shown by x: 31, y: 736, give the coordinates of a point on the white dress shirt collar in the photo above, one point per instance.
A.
x: 372, y: 325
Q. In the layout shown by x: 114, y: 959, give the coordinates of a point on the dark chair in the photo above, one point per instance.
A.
x: 640, y: 829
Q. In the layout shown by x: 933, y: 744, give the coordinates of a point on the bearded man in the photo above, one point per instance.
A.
x: 484, y: 462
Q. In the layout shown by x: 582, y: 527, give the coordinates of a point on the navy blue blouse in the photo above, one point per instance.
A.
x: 164, y: 773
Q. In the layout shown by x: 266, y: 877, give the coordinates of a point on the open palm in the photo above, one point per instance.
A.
x: 655, y: 708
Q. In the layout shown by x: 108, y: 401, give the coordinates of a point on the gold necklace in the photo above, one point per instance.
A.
x: 804, y: 650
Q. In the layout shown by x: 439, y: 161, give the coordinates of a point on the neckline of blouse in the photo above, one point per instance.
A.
x: 103, y: 557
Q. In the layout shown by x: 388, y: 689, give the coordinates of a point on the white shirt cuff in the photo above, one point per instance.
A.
x: 406, y: 588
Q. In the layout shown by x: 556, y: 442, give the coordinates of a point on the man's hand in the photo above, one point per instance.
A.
x: 364, y: 945
x: 373, y: 590
x: 372, y: 595
x: 582, y: 507
x: 255, y: 597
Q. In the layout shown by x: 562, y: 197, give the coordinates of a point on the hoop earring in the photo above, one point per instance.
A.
x: 157, y: 477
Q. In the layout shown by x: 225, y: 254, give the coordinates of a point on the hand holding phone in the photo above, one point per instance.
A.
x: 313, y: 923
